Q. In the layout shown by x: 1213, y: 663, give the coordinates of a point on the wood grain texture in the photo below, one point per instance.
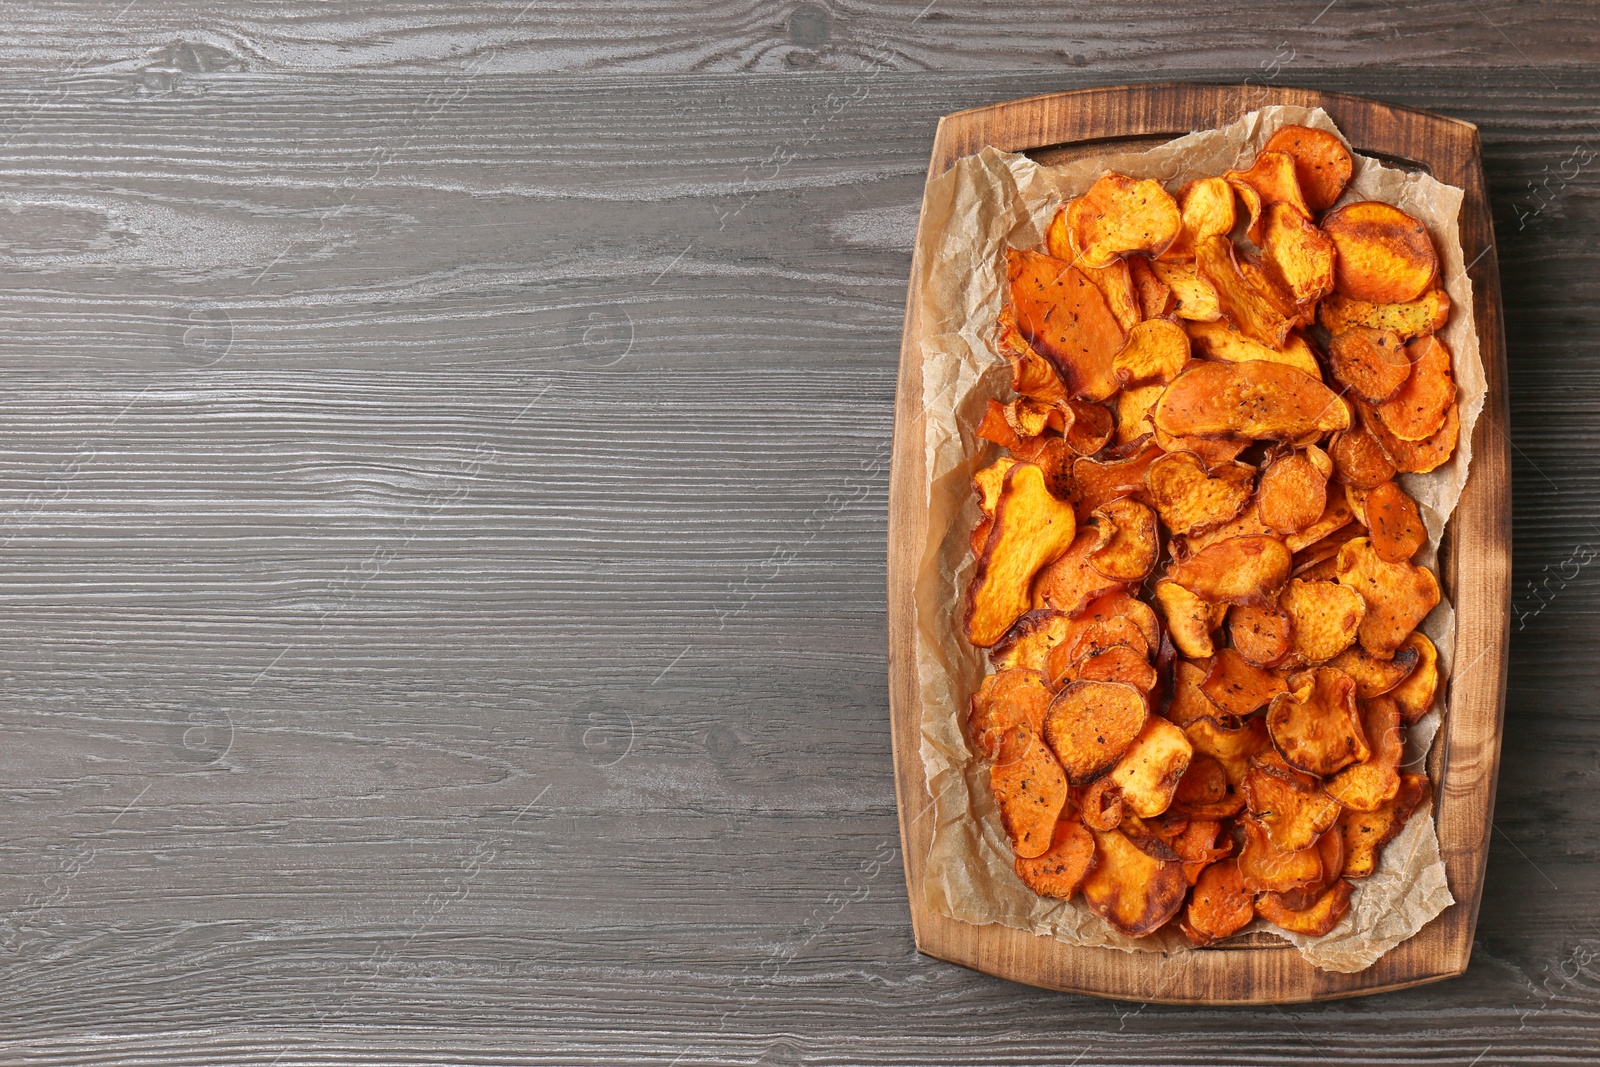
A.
x: 658, y: 614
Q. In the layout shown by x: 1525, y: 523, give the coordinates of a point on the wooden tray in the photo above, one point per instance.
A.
x: 1475, y: 569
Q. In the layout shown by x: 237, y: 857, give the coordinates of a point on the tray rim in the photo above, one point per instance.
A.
x: 1475, y: 555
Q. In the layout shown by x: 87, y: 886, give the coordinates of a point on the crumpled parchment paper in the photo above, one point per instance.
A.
x: 971, y: 214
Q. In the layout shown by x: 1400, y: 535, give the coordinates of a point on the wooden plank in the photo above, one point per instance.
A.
x: 1476, y: 550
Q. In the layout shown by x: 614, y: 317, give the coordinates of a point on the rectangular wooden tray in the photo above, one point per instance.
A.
x: 1475, y: 565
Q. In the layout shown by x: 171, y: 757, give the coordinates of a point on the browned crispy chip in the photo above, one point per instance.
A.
x: 1417, y: 411
x: 1256, y: 313
x: 1098, y: 636
x: 1005, y: 701
x: 1385, y: 255
x: 1133, y: 410
x: 1290, y: 807
x: 1206, y: 206
x: 1029, y: 641
x: 1314, y: 921
x: 1031, y: 528
x: 1373, y: 364
x: 1064, y: 317
x: 1099, y: 803
x: 1409, y: 319
x: 1197, y: 846
x: 1398, y: 595
x: 1190, y: 497
x: 1415, y: 693
x: 1325, y: 617
x: 1257, y: 399
x: 1367, y: 785
x: 1315, y: 726
x: 1031, y: 374
x: 1090, y: 724
x: 1242, y: 570
x: 1098, y: 482
x: 1203, y: 790
x: 1129, y: 541
x: 1119, y: 214
x: 1155, y: 296
x: 1222, y: 340
x: 1272, y: 175
x: 1269, y: 869
x: 1220, y: 906
x: 1118, y: 664
x: 1322, y: 164
x: 1293, y: 493
x: 1030, y: 789
x: 1396, y: 523
x: 1069, y: 582
x: 1149, y: 771
x: 1061, y: 870
x: 1194, y: 296
x: 1155, y: 351
x: 1188, y: 702
x: 1119, y: 604
x: 1260, y: 634
x: 1236, y: 687
x: 1232, y: 746
x: 1359, y: 457
x: 1366, y: 832
x: 1135, y: 886
x: 1418, y: 457
x: 1374, y: 676
x: 1301, y: 255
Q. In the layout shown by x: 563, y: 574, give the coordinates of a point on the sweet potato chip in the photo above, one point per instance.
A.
x: 1099, y: 804
x: 1418, y: 457
x: 1315, y: 726
x: 1293, y: 815
x: 1366, y: 832
x: 1220, y: 906
x: 1135, y: 886
x: 1417, y: 411
x: 1062, y: 314
x: 1090, y: 724
x: 1098, y: 482
x: 1398, y: 595
x: 1189, y: 497
x: 1005, y: 701
x: 1119, y: 604
x: 1031, y: 529
x: 1069, y: 582
x: 1194, y: 296
x: 1030, y: 418
x: 1129, y: 541
x: 1372, y: 364
x: 1258, y: 399
x: 1293, y: 493
x: 1188, y: 619
x: 1133, y: 411
x: 1232, y: 746
x: 1374, y: 676
x: 1359, y: 457
x: 1149, y: 771
x: 1031, y: 374
x: 1060, y: 870
x: 1206, y: 206
x: 1300, y: 254
x: 1118, y: 664
x: 1030, y: 790
x: 1261, y: 635
x: 1315, y: 921
x: 1272, y: 175
x: 1103, y: 634
x: 1236, y: 687
x: 1336, y: 515
x: 1212, y: 450
x: 1243, y: 570
x: 1325, y: 618
x: 1120, y: 214
x: 988, y: 482
x: 1155, y: 296
x: 1396, y: 524
x: 1155, y: 351
x: 1222, y: 340
x: 1427, y: 313
x: 1367, y: 785
x: 1204, y: 788
x: 1385, y: 255
x: 1322, y: 164
x: 1188, y: 703
x: 1029, y: 641
x: 1415, y: 693
x: 1198, y: 848
x: 1247, y: 307
x: 1269, y: 869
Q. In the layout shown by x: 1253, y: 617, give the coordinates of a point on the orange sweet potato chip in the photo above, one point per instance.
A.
x: 1365, y: 786
x: 1155, y: 351
x: 1069, y: 582
x: 1064, y: 316
x: 1197, y: 846
x: 1135, y: 886
x: 1322, y: 164
x: 1417, y: 411
x: 1293, y: 493
x: 1120, y: 663
x: 1029, y: 641
x: 1232, y: 746
x: 1030, y: 790
x: 1415, y: 693
x: 1398, y: 595
x: 1336, y: 515
x: 1359, y: 457
x: 1257, y: 315
x: 1372, y: 364
x: 1293, y: 812
x: 1366, y: 832
x: 1188, y: 703
x: 1099, y: 804
x: 1220, y: 906
x: 1222, y: 340
x: 1315, y: 726
x: 1031, y: 529
x: 1314, y: 921
x: 1129, y: 542
x: 1098, y: 482
x: 1325, y: 617
x: 1114, y: 280
x: 1385, y: 255
x: 1005, y: 701
x: 1188, y: 496
x: 1031, y: 374
x: 1395, y: 522
x: 1272, y: 175
x: 1090, y: 724
x: 1155, y: 296
x: 1409, y: 319
x: 1194, y: 296
x: 1059, y: 871
x: 1149, y: 771
x: 1188, y: 619
x: 1300, y: 254
x: 1242, y: 570
x: 1269, y: 869
x: 1203, y: 790
x: 1417, y: 457
x: 1206, y: 206
x: 1258, y: 399
x: 1133, y: 411
x: 1374, y: 676
x: 1261, y: 635
x: 1119, y: 604
x: 1120, y: 214
x: 1030, y: 418
x: 1100, y: 635
x: 1236, y: 687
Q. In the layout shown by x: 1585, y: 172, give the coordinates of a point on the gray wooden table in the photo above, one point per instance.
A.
x: 442, y: 467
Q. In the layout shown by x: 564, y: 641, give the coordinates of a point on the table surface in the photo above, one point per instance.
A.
x: 444, y: 465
